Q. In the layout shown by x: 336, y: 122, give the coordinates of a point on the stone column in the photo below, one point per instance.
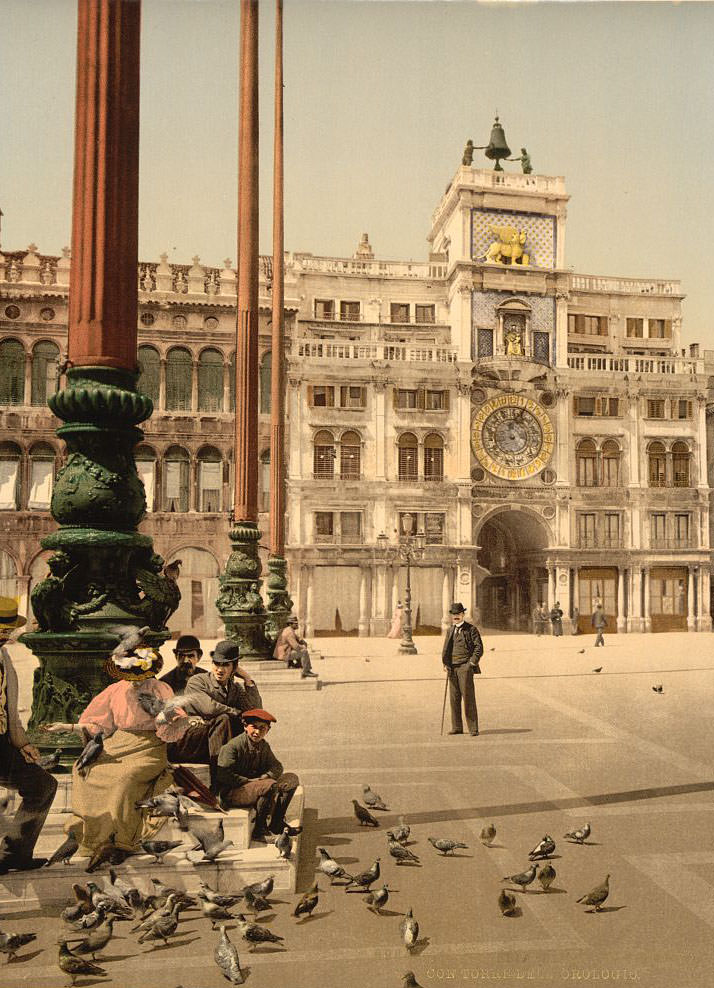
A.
x: 634, y: 620
x: 364, y: 599
x: 227, y: 386
x: 621, y: 621
x: 691, y: 617
x: 380, y: 439
x: 446, y: 597
x: 647, y: 617
x: 162, y: 384
x: 194, y: 386
x: 28, y: 378
x: 705, y: 621
x: 309, y: 601
x: 701, y: 445
x: 380, y: 601
x: 551, y: 586
x: 576, y: 587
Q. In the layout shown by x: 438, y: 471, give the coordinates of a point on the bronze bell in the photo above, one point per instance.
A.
x: 497, y: 147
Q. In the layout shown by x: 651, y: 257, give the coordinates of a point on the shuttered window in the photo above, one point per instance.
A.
x: 12, y: 373
x: 210, y: 381
x: 176, y: 486
x: 149, y: 373
x: 45, y: 358
x: 179, y: 371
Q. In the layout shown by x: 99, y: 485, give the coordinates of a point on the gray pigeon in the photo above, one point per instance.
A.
x: 596, y: 896
x: 65, y: 851
x: 261, y: 888
x: 130, y: 639
x: 328, y: 866
x: 256, y: 903
x: 372, y: 800
x: 162, y: 926
x: 409, y: 981
x: 50, y: 762
x: 213, y: 910
x: 72, y: 913
x: 254, y: 934
x: 377, y: 900
x: 658, y: 689
x: 446, y: 846
x: 10, y: 943
x: 580, y: 835
x: 546, y: 876
x: 90, y: 921
x: 365, y: 878
x: 400, y: 833
x: 363, y: 815
x: 523, y: 878
x: 76, y: 966
x: 284, y: 844
x: 543, y: 849
x: 226, y: 957
x: 506, y: 902
x: 401, y: 854
x: 409, y: 929
x: 227, y: 901
x: 91, y: 751
x: 111, y: 900
x: 160, y: 847
x: 94, y: 940
x: 488, y: 835
x: 211, y: 840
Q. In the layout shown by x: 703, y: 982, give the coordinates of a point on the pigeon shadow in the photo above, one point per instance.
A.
x: 304, y: 920
x: 21, y: 958
x: 95, y: 981
x: 419, y: 947
x: 513, y: 913
x: 269, y: 948
x: 501, y: 846
x: 453, y: 856
x: 507, y: 730
x: 108, y: 958
x: 386, y: 912
x: 606, y: 909
x: 553, y: 888
x: 409, y: 864
x: 172, y: 943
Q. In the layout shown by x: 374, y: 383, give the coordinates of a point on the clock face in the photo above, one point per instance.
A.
x: 512, y: 437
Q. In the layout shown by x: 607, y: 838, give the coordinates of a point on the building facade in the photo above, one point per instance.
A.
x: 542, y: 429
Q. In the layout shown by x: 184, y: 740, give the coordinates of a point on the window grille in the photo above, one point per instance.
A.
x: 433, y: 458
x: 179, y: 371
x: 12, y: 373
x: 149, y: 373
x: 484, y: 343
x: 210, y: 381
x: 350, y: 455
x: 408, y: 452
x: 45, y: 358
x: 541, y: 347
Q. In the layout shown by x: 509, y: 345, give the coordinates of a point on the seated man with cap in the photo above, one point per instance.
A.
x: 249, y: 775
x: 188, y: 654
x: 292, y: 649
x: 18, y: 762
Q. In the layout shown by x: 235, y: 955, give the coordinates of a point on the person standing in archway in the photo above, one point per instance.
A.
x: 460, y: 656
x: 556, y: 619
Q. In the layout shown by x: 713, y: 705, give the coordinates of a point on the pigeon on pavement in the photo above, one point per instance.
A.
x: 261, y: 888
x: 372, y: 800
x: 401, y: 854
x: 213, y: 910
x: 409, y: 981
x: 377, y: 900
x: 158, y: 848
x: 227, y: 901
x: 446, y: 846
x: 89, y: 921
x: 75, y: 966
x: 161, y: 927
x: 581, y: 651
x: 400, y: 833
x: 409, y: 929
x: 596, y: 896
x: 328, y: 866
x: 546, y: 876
x: 599, y: 669
x: 65, y: 851
x: 10, y: 943
x: 506, y: 902
x: 307, y: 902
x: 488, y: 835
x: 523, y: 878
x: 543, y: 848
x: 226, y: 957
x: 94, y: 940
x: 113, y: 901
x: 254, y: 934
x: 256, y: 903
x: 211, y: 840
x: 658, y: 689
x: 363, y: 815
x: 365, y: 878
x: 579, y: 835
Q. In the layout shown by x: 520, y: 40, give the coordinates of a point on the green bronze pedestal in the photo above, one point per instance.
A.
x: 239, y: 602
x: 279, y: 603
x: 104, y: 576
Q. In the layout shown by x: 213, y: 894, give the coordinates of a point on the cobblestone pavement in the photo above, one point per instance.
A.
x: 559, y: 745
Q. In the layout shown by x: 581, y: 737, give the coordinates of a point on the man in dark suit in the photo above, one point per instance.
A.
x: 461, y: 653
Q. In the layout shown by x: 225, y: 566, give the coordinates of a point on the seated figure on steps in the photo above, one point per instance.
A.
x: 293, y: 649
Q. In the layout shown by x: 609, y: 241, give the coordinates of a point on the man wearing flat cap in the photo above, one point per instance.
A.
x: 18, y: 762
x: 249, y: 775
x: 460, y: 656
x: 292, y: 649
x: 218, y: 699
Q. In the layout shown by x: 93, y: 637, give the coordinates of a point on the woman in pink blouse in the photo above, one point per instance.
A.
x: 133, y: 764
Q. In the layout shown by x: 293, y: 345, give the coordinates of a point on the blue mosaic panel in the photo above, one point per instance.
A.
x: 484, y: 304
x: 484, y: 345
x: 539, y: 230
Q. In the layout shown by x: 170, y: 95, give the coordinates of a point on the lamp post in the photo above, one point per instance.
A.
x: 410, y: 550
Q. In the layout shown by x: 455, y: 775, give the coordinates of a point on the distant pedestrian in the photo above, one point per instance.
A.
x: 395, y: 630
x: 599, y: 623
x: 460, y: 656
x: 556, y: 619
x: 574, y: 629
x: 538, y: 621
x: 292, y: 649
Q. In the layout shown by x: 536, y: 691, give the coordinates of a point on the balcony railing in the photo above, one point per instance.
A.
x: 624, y: 286
x: 601, y: 542
x: 685, y: 542
x: 352, y: 350
x: 634, y: 365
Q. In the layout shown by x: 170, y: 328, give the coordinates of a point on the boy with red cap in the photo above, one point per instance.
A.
x: 250, y: 775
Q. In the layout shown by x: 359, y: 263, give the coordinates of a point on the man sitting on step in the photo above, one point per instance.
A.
x: 249, y: 775
x: 292, y: 649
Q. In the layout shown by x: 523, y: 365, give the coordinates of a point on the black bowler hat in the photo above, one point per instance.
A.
x: 187, y: 643
x: 457, y: 608
x: 225, y: 652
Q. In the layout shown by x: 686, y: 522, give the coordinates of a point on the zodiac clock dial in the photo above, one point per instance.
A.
x: 512, y: 437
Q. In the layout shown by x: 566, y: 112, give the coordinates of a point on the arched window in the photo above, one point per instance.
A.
x: 149, y: 373
x: 45, y: 358
x: 586, y: 463
x: 408, y: 448
x: 146, y: 468
x: 433, y: 457
x: 210, y: 479
x: 324, y: 454
x: 10, y: 459
x: 657, y: 464
x: 176, y: 467
x: 350, y: 455
x: 266, y: 369
x: 681, y: 458
x: 265, y: 480
x: 610, y: 463
x: 210, y: 381
x: 179, y: 371
x: 232, y: 383
x: 42, y: 475
x: 12, y: 373
x: 8, y: 575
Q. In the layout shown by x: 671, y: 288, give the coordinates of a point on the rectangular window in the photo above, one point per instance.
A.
x: 324, y: 308
x: 350, y: 527
x: 349, y: 311
x: 210, y: 475
x: 399, y: 312
x: 408, y: 467
x: 9, y: 471
x: 635, y: 328
x: 681, y: 408
x: 660, y: 329
x: 681, y: 530
x: 433, y: 463
x: 147, y: 474
x: 587, y: 325
x: 586, y: 531
x: 424, y: 313
x: 658, y: 528
x: 585, y: 405
x: 41, y: 477
x: 609, y: 406
x: 612, y: 529
x: 587, y: 469
x: 324, y: 531
x: 434, y: 527
x: 323, y: 396
x: 406, y: 398
x: 352, y: 396
x: 655, y: 408
x: 436, y: 401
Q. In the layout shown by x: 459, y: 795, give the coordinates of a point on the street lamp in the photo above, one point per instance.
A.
x: 410, y: 550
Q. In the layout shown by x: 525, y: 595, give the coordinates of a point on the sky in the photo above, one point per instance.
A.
x: 380, y: 98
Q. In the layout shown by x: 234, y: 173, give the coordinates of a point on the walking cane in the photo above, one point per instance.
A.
x: 443, y: 706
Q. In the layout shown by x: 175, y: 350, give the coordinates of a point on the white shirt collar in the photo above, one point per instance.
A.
x: 460, y: 624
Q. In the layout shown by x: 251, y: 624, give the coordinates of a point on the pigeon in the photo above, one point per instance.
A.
x: 76, y: 966
x: 94, y: 940
x: 543, y: 848
x: 106, y: 853
x: 226, y: 957
x: 400, y: 833
x: 91, y: 751
x: 161, y: 926
x: 83, y: 897
x: 546, y: 876
x: 164, y: 910
x: 211, y: 840
x: 73, y: 913
x: 599, y: 669
x: 377, y: 900
x: 488, y: 835
x: 581, y: 651
x: 372, y: 800
x: 579, y: 835
x: 50, y: 762
x: 658, y: 689
x: 523, y: 878
x: 213, y: 910
x: 173, y: 570
x: 165, y: 711
x: 261, y: 888
x: 284, y: 844
x: 328, y: 866
x: 409, y: 981
x: 130, y: 638
x: 220, y: 900
x: 596, y: 896
x: 492, y: 649
x: 10, y: 943
x: 160, y: 847
x: 256, y: 903
x: 307, y: 902
x: 130, y: 892
x: 254, y: 934
x: 363, y: 815
x: 446, y: 846
x: 90, y: 921
x: 65, y: 851
x: 401, y: 854
x: 409, y: 929
x: 365, y: 879
x: 507, y: 902
x: 112, y: 901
